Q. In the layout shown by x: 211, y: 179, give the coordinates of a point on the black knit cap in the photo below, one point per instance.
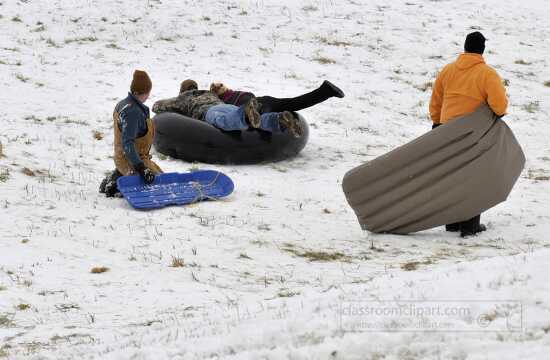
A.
x: 475, y: 43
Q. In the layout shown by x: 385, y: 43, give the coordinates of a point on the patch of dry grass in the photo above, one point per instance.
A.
x: 413, y: 265
x: 99, y: 269
x: 51, y: 42
x: 538, y: 175
x: 410, y: 266
x: 264, y: 227
x: 6, y: 320
x: 113, y: 46
x: 81, y: 40
x: 74, y: 339
x: 22, y: 77
x: 522, y: 62
x: 531, y: 107
x: 310, y: 8
x: 177, y: 262
x: 23, y: 307
x: 323, y: 256
x: 291, y: 75
x: 287, y: 293
x: 324, y: 60
x: 28, y: 171
x: 98, y: 135
x: 76, y: 122
x: 4, y: 175
x: 67, y: 307
x: 332, y: 42
x: 316, y: 255
x: 41, y: 27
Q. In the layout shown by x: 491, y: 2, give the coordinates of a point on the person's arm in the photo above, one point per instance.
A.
x: 496, y: 94
x: 172, y: 105
x: 436, y: 102
x: 129, y: 128
x: 243, y: 97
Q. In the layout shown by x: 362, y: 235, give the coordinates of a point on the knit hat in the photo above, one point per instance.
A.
x: 141, y: 83
x: 475, y: 43
x: 188, y: 85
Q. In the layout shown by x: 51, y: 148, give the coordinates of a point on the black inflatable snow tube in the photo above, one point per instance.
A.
x: 189, y: 139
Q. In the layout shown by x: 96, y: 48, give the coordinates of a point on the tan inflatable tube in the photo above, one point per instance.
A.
x: 450, y: 174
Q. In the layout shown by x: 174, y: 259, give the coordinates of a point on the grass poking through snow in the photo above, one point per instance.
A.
x: 314, y: 255
x: 99, y: 270
x: 177, y: 262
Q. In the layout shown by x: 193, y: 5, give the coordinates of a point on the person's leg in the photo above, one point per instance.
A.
x: 227, y: 117
x: 279, y: 122
x: 322, y: 93
x: 270, y: 122
x: 471, y: 226
x: 454, y: 227
x: 269, y: 104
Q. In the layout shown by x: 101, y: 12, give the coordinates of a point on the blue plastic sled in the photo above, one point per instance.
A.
x: 175, y: 189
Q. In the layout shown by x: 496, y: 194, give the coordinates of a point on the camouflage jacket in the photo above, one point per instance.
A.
x: 192, y: 103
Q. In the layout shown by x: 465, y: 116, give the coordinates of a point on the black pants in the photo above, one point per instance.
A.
x: 272, y: 104
x: 470, y: 226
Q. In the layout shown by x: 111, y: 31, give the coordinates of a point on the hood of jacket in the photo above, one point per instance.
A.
x: 468, y: 60
x: 131, y: 98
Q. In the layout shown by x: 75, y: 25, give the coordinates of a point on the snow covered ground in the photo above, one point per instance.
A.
x: 266, y: 273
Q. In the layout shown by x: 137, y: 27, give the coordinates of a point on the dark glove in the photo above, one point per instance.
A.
x: 434, y: 125
x: 146, y: 174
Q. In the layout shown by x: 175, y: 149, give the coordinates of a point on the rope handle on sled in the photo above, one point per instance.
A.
x: 199, y: 187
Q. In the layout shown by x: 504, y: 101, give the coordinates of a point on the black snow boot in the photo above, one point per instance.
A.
x: 331, y: 89
x: 317, y: 96
x: 471, y: 227
x: 109, y: 186
x: 251, y: 109
x: 103, y: 184
x: 288, y: 121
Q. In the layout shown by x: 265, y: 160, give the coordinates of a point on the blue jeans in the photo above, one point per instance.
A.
x: 231, y: 117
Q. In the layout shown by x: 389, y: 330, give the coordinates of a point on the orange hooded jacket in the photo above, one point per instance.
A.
x: 464, y: 85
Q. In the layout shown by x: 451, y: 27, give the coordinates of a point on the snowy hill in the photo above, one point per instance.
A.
x: 263, y: 274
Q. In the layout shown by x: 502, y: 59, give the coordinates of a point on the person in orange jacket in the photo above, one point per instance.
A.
x: 460, y: 88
